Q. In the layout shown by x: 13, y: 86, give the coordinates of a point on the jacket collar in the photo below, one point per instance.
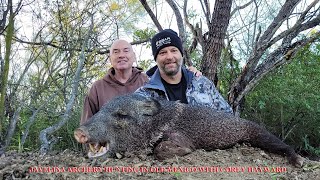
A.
x: 156, y: 83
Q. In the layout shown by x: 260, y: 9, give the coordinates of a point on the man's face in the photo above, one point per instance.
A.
x: 169, y: 60
x: 121, y: 55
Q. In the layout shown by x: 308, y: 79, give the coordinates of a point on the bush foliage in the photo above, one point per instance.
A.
x: 287, y: 101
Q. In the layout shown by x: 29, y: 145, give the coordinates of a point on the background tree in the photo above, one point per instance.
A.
x: 8, y: 13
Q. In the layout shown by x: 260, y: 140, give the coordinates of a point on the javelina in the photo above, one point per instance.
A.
x: 134, y: 123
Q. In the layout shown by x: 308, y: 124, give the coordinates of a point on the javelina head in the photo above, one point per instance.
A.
x: 117, y: 126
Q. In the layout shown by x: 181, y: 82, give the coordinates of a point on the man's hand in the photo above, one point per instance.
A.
x: 195, y: 71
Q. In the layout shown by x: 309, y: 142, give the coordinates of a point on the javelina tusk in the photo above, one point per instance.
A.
x: 92, y: 149
x: 101, y: 149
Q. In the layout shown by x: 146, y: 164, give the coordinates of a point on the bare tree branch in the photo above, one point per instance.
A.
x: 255, y: 22
x: 283, y: 15
x: 196, y: 31
x: 33, y: 118
x: 277, y: 58
x: 241, y: 7
x: 179, y: 19
x: 182, y: 32
x: 4, y: 13
x: 206, y: 10
x: 151, y: 14
x: 3, y: 21
x: 103, y: 50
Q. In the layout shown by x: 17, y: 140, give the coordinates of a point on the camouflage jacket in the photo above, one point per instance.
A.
x: 200, y: 91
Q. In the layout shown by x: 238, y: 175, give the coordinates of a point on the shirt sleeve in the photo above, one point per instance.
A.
x: 203, y: 92
x: 143, y: 92
x: 90, y: 106
x: 153, y: 93
x: 218, y: 101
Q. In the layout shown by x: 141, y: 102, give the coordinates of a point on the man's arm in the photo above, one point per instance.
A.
x: 149, y: 93
x: 195, y: 71
x: 219, y: 101
x: 204, y: 92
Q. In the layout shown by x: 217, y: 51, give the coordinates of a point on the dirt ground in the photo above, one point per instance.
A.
x: 239, y: 162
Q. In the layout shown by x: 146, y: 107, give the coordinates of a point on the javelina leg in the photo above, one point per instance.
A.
x: 265, y: 140
x: 173, y: 144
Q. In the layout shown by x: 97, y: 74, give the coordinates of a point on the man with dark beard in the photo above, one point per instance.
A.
x: 172, y: 81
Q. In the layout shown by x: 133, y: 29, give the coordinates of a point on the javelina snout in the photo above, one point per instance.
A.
x: 96, y: 147
x: 134, y: 123
x: 81, y: 135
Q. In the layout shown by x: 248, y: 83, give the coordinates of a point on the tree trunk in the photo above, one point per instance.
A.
x: 12, y: 127
x: 5, y: 72
x: 214, y: 42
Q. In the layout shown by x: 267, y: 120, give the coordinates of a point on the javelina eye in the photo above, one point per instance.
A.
x: 120, y: 114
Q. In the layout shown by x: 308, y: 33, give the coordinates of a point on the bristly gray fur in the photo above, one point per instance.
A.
x: 136, y: 124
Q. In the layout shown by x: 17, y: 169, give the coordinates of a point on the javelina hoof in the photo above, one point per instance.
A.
x: 173, y: 144
x: 168, y: 149
x: 297, y: 160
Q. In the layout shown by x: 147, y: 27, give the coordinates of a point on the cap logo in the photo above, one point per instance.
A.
x: 163, y: 41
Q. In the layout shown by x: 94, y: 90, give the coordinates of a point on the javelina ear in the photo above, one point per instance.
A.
x: 121, y: 112
x: 149, y: 106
